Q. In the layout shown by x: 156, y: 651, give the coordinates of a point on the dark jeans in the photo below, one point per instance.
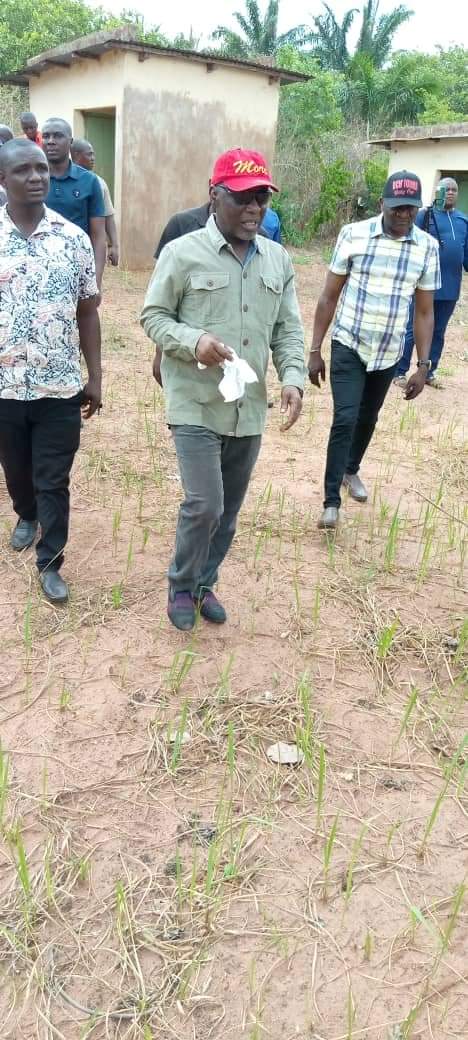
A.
x: 215, y: 473
x: 358, y: 396
x: 38, y: 442
x: 443, y: 310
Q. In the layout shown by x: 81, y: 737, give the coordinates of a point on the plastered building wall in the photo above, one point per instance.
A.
x: 173, y: 117
x: 86, y: 84
x: 177, y: 117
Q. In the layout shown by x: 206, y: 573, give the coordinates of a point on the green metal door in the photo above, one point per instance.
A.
x: 100, y: 131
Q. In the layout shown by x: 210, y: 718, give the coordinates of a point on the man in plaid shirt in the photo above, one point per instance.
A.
x: 378, y: 265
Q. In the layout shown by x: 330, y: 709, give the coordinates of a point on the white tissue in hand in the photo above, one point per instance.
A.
x: 236, y: 374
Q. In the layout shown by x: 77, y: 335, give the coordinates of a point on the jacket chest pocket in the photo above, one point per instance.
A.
x: 271, y: 290
x: 209, y: 296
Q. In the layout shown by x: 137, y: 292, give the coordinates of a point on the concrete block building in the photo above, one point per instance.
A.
x: 432, y: 152
x: 157, y: 119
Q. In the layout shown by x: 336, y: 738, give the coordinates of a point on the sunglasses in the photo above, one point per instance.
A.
x: 262, y: 196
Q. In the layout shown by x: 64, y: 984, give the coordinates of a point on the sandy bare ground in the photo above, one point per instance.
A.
x: 160, y: 878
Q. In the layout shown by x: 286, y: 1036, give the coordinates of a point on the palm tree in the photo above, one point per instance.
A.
x: 329, y: 38
x: 260, y: 34
x: 377, y: 32
x: 384, y: 97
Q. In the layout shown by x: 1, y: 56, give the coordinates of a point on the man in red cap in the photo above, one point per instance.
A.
x: 218, y: 295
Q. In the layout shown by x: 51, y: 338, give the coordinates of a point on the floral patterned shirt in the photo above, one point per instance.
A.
x: 42, y: 278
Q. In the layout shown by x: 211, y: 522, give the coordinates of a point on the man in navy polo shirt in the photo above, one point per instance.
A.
x: 74, y: 192
x: 449, y: 227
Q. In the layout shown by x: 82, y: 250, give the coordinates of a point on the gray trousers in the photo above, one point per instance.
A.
x: 215, y: 473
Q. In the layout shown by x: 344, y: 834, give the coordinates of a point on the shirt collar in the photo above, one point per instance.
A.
x: 218, y: 239
x: 48, y: 221
x: 73, y: 172
x: 376, y: 229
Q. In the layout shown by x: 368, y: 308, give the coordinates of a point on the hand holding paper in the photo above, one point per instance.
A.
x: 237, y: 373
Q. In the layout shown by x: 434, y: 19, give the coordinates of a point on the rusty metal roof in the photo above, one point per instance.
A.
x: 125, y: 39
x: 436, y: 132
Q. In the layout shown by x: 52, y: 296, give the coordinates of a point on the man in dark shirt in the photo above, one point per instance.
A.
x: 449, y: 226
x: 182, y: 223
x: 75, y: 193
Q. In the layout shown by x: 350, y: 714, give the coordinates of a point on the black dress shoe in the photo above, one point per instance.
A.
x: 53, y: 586
x: 23, y: 534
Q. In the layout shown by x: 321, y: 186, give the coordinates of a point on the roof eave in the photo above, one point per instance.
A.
x: 61, y: 58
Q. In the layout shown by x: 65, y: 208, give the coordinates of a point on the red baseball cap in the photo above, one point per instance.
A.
x: 240, y: 170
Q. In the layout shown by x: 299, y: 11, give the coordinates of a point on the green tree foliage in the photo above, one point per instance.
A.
x: 375, y: 172
x: 405, y: 89
x: 453, y: 66
x: 377, y: 31
x: 186, y: 43
x: 28, y: 27
x: 259, y: 33
x: 131, y: 16
x: 307, y: 109
x: 336, y: 188
x: 399, y: 94
x: 329, y: 37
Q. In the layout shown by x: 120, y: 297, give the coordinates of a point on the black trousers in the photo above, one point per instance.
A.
x: 38, y: 442
x: 358, y: 396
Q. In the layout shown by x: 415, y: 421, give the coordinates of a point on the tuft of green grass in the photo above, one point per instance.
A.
x: 4, y: 784
x: 328, y: 852
x: 450, y: 770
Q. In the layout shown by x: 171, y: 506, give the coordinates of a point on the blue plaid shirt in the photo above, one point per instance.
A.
x: 383, y: 273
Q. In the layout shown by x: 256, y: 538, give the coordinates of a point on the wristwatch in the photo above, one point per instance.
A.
x: 424, y: 364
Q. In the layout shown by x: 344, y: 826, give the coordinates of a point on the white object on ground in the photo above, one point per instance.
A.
x: 285, y: 754
x: 174, y: 736
x: 236, y: 374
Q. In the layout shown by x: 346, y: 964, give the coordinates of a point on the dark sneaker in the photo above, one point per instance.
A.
x: 53, y: 586
x: 23, y: 535
x: 181, y: 610
x: 210, y: 608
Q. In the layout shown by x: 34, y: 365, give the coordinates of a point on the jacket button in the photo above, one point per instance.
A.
x: 245, y: 342
x: 244, y: 274
x: 210, y: 283
x: 245, y: 307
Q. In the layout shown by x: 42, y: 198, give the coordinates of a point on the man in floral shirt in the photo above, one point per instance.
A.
x: 48, y: 311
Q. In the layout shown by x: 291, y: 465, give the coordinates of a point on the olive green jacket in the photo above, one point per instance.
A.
x: 199, y: 285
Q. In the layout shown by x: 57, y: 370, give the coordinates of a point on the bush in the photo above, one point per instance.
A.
x: 335, y: 190
x: 327, y: 182
x: 375, y: 175
x: 13, y: 101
